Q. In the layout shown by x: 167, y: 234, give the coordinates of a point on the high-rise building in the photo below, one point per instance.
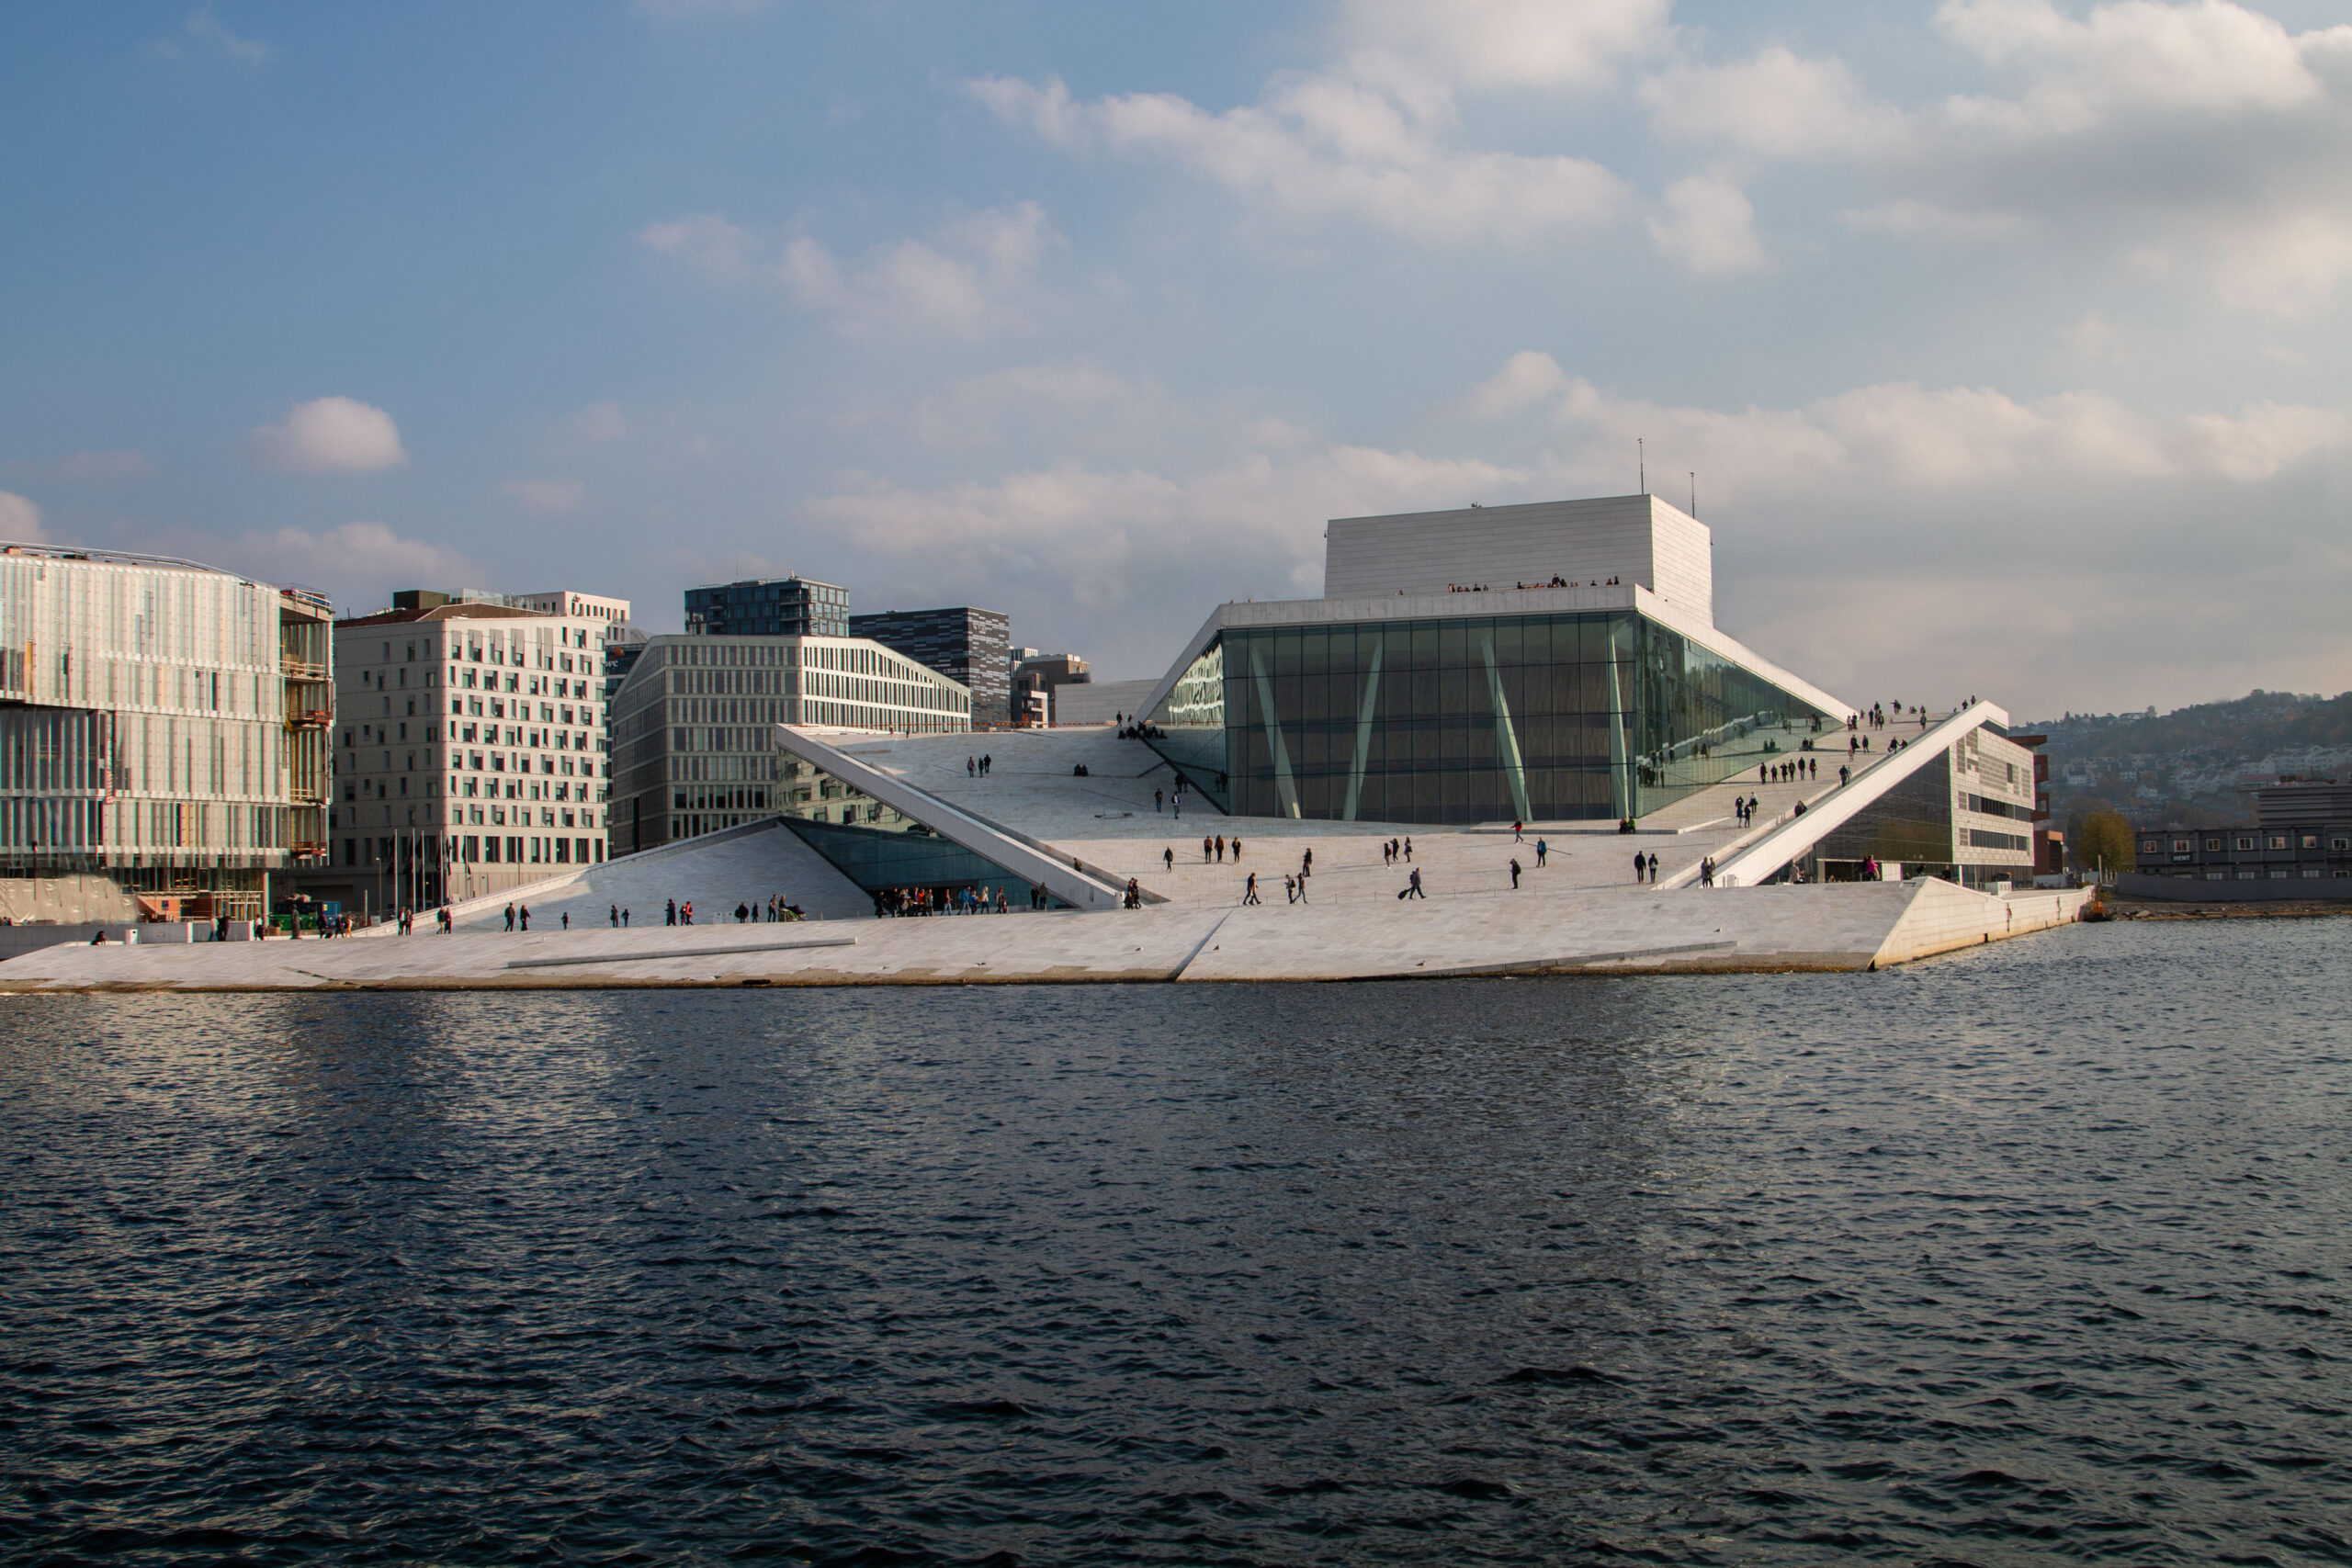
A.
x: 778, y: 607
x: 472, y: 747
x: 693, y: 729
x: 963, y: 643
x: 162, y: 735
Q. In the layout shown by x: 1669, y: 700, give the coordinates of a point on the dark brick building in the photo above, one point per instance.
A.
x: 962, y: 643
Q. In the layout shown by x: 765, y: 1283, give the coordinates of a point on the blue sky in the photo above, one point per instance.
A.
x: 2006, y: 337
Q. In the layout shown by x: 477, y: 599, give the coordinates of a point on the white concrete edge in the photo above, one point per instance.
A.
x: 1786, y: 839
x: 1072, y: 886
x: 643, y: 957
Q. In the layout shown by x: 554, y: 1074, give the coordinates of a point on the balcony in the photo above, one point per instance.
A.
x: 301, y: 670
x: 308, y: 718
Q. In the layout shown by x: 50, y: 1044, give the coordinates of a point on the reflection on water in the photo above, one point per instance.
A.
x: 2037, y: 1252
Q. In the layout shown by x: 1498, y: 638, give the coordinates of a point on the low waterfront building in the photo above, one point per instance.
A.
x: 2302, y: 835
x: 472, y: 751
x: 693, y: 729
x: 783, y: 606
x: 163, y: 733
x: 962, y: 643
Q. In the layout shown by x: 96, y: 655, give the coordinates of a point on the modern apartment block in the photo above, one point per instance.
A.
x: 472, y: 751
x: 783, y: 606
x: 693, y: 729
x: 1039, y: 679
x: 962, y: 643
x: 576, y: 604
x: 162, y: 735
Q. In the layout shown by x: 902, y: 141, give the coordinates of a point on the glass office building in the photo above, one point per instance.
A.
x: 1459, y: 718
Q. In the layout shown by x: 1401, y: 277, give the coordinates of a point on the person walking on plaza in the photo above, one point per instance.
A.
x: 566, y: 917
x: 1408, y: 849
x: 1413, y: 885
x: 1250, y: 889
x: 510, y: 917
x: 1707, y: 872
x: 1541, y: 848
x: 1220, y: 849
x: 1290, y: 890
x: 624, y: 920
x: 671, y: 910
x: 526, y: 917
x: 1514, y: 874
x: 1205, y: 849
x: 686, y: 913
x: 1641, y: 864
x: 614, y: 915
x: 1158, y: 799
x: 1168, y: 858
x: 1517, y: 836
x: 1237, y: 850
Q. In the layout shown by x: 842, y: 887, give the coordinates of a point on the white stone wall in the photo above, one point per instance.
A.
x: 1638, y: 539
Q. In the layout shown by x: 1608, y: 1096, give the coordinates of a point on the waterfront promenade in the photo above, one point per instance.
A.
x: 1579, y: 912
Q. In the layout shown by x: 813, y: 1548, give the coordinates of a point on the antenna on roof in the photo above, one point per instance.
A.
x: 1642, y: 456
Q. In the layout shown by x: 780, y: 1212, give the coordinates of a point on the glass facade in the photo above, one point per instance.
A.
x: 1909, y: 825
x: 1463, y: 720
x: 877, y: 859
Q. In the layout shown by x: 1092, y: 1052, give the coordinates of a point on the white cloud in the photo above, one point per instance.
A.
x: 1507, y: 43
x: 19, y: 520
x: 970, y: 280
x: 2205, y: 57
x: 1116, y: 543
x: 968, y: 285
x: 601, y: 421
x: 330, y: 436
x: 1377, y: 151
x: 704, y: 240
x: 547, y: 495
x: 205, y: 31
x: 1709, y: 225
x: 1777, y: 104
x: 1526, y: 378
x: 358, y: 564
x: 1902, y: 437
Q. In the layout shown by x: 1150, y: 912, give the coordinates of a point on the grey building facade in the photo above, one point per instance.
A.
x: 962, y: 642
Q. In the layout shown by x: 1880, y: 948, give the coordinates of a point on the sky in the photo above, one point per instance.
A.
x: 2002, y: 342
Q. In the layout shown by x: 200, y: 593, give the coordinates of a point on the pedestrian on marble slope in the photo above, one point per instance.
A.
x: 1168, y: 858
x: 1158, y: 799
x: 526, y: 917
x: 1237, y: 851
x: 624, y: 920
x: 1541, y: 848
x: 672, y: 912
x: 1409, y: 852
x: 1707, y: 872
x: 614, y: 914
x: 1514, y: 875
x: 1517, y: 837
x: 1413, y: 883
x: 1205, y: 849
x: 566, y: 919
x: 1250, y: 892
x: 510, y: 917
x: 1640, y: 864
x: 1290, y: 889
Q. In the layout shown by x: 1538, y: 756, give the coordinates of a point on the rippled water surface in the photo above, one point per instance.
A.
x: 2039, y: 1253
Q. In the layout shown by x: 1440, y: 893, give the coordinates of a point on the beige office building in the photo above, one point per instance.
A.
x: 693, y: 729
